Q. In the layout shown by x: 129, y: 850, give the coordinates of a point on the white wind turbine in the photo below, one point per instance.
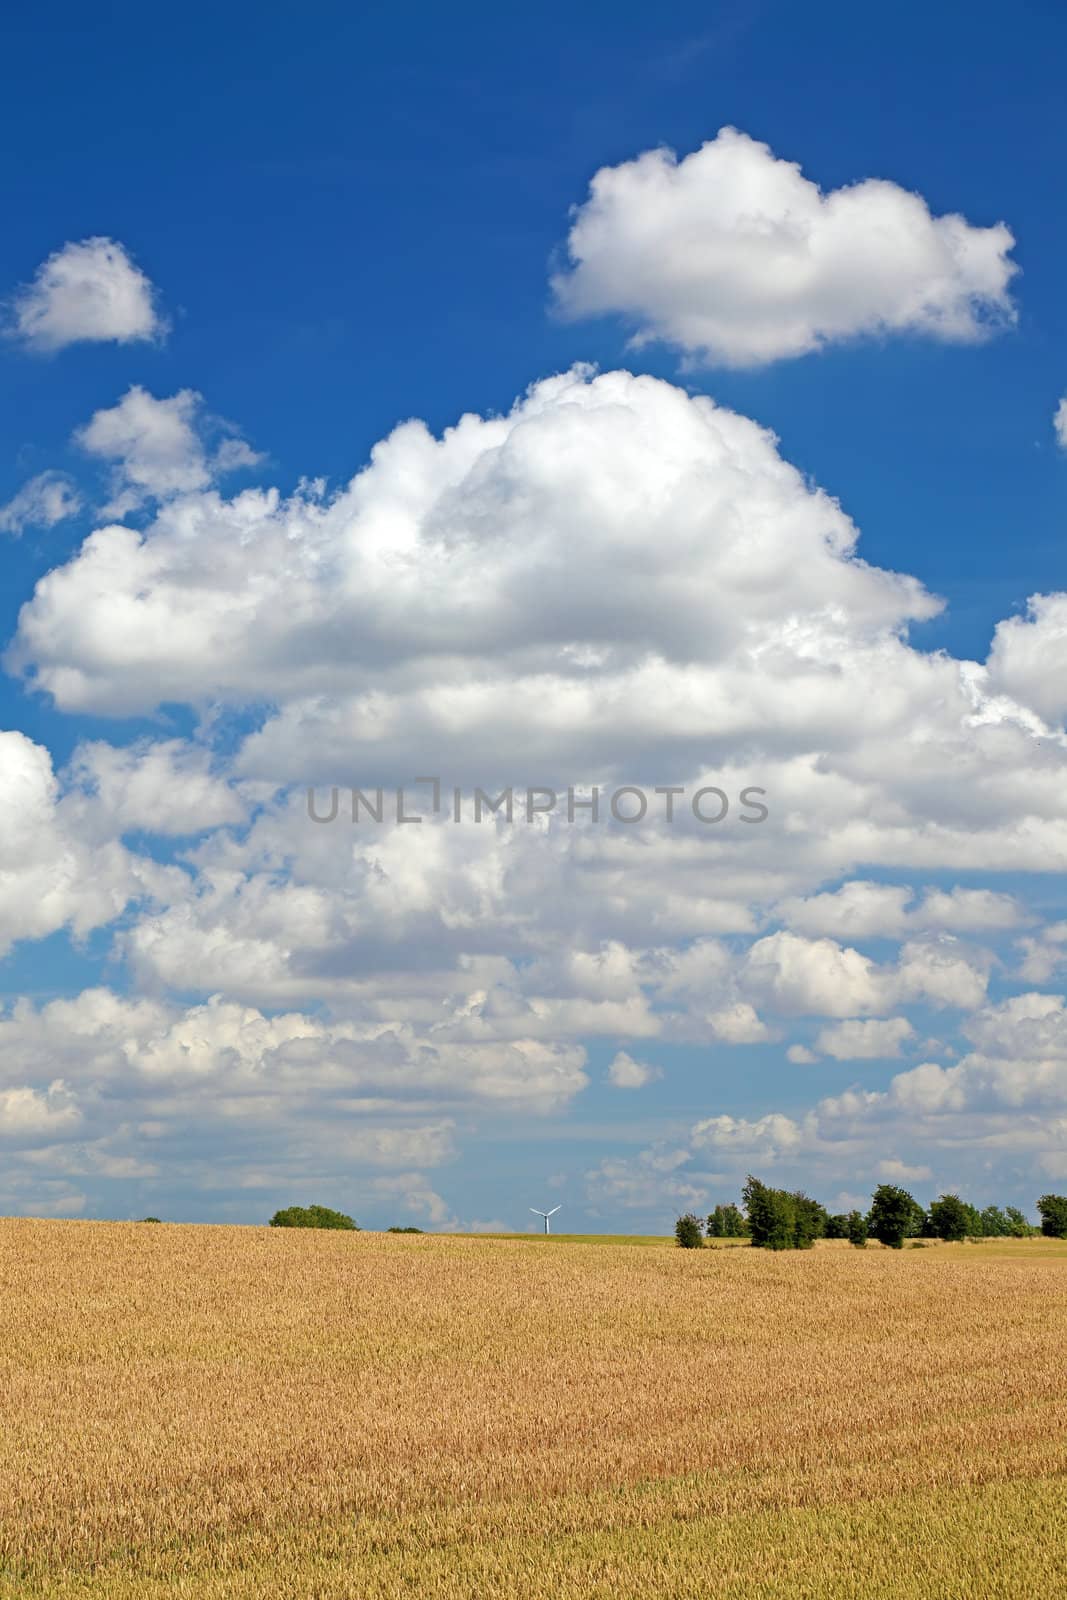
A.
x: 546, y: 1215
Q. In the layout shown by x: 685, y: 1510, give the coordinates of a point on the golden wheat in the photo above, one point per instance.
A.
x: 218, y: 1412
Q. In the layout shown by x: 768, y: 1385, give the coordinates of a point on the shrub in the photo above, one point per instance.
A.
x: 311, y: 1217
x: 892, y: 1215
x: 151, y: 1219
x: 688, y: 1232
x: 403, y: 1230
x: 1053, y: 1212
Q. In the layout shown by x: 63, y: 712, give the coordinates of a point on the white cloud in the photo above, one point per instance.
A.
x: 738, y: 1024
x: 800, y: 1055
x: 163, y: 787
x: 626, y: 1073
x: 615, y: 582
x: 577, y: 586
x: 870, y: 1040
x: 1028, y: 660
x: 234, y: 1058
x: 899, y: 1172
x: 87, y: 291
x: 819, y: 977
x: 985, y: 1124
x: 765, y: 1138
x: 48, y: 498
x: 27, y: 1114
x: 737, y: 258
x: 1044, y: 954
x: 646, y: 1182
x: 941, y: 972
x: 586, y: 561
x: 1059, y: 423
x: 58, y: 867
x: 863, y: 910
x: 815, y: 977
x: 158, y: 448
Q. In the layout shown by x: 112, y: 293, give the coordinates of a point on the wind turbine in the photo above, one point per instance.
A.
x: 546, y: 1215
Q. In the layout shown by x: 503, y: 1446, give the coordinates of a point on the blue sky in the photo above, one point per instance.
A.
x: 350, y: 219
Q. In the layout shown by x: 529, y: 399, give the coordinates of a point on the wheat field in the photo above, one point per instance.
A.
x: 223, y: 1411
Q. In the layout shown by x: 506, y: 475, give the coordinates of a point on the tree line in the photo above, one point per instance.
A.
x: 781, y: 1219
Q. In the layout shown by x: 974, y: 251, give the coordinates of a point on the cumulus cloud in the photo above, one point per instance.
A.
x: 736, y: 258
x: 863, y: 910
x: 819, y: 977
x: 163, y: 786
x: 800, y: 1055
x: 48, y: 498
x: 158, y: 448
x: 28, y: 1114
x: 232, y: 1097
x: 59, y: 868
x: 615, y: 582
x: 90, y: 291
x: 870, y: 1040
x: 1059, y: 423
x: 469, y: 573
x: 1028, y: 660
x: 765, y: 1138
x: 1043, y: 954
x: 899, y: 1172
x: 646, y: 1182
x: 626, y: 1073
x: 240, y: 1054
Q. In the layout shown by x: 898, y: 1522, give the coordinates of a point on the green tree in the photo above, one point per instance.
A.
x: 949, y: 1218
x: 892, y: 1215
x: 1020, y: 1228
x: 809, y: 1221
x: 688, y: 1232
x: 1052, y: 1209
x: 778, y: 1220
x: 857, y: 1229
x: 837, y: 1226
x: 311, y: 1217
x: 993, y: 1223
x: 403, y: 1230
x: 771, y: 1216
x: 716, y: 1223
